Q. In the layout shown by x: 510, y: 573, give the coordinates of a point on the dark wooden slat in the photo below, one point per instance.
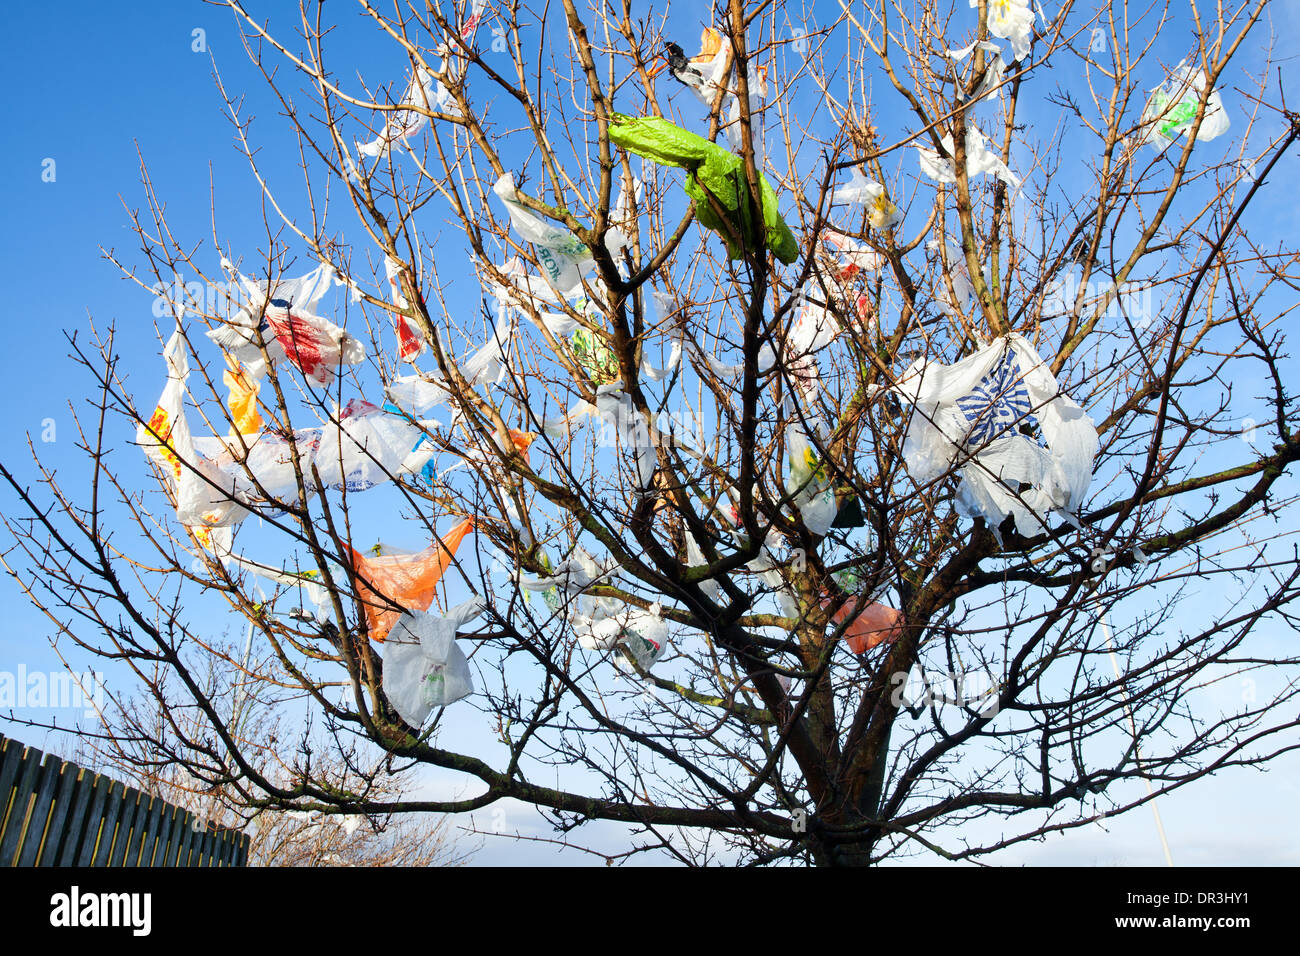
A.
x: 59, y: 812
x: 125, y: 826
x: 139, y: 829
x: 15, y: 825
x: 158, y: 809
x: 39, y: 816
x: 171, y: 850
x: 11, y: 756
x: 83, y: 793
x: 112, y: 814
x: 90, y: 836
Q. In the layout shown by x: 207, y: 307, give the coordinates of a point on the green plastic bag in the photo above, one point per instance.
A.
x: 710, y: 170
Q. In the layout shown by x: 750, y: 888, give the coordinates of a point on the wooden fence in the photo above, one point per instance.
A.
x: 54, y: 813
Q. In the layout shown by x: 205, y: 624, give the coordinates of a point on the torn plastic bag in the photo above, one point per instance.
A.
x: 860, y: 191
x: 1172, y: 107
x: 875, y: 624
x: 205, y: 497
x: 530, y: 294
x: 1011, y: 20
x: 416, y: 395
x: 370, y: 446
x: 969, y: 416
x: 309, y: 581
x: 962, y: 287
x: 705, y: 73
x: 575, y: 574
x: 614, y: 406
x: 265, y: 471
x: 623, y: 216
x: 643, y: 633
x: 979, y: 160
x: 488, y: 364
x: 289, y: 328
x: 813, y: 330
x: 405, y: 579
x: 808, y: 482
x: 595, y: 357
x: 710, y: 170
x: 854, y: 256
x: 410, y: 342
x: 995, y: 67
x: 561, y: 254
x: 695, y: 559
x: 424, y: 667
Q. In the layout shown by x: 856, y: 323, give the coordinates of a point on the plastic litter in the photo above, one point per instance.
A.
x: 861, y: 191
x: 409, y: 340
x: 875, y: 624
x: 1011, y: 20
x: 979, y: 160
x: 561, y: 254
x: 962, y: 287
x: 1172, y: 107
x: 995, y: 68
x: 808, y: 483
x: 969, y: 416
x: 710, y: 170
x: 408, y: 580
x: 424, y: 667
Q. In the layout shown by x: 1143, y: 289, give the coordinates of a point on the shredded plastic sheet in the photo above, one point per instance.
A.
x: 409, y: 341
x: 979, y: 160
x: 808, y: 482
x: 1011, y: 20
x: 962, y: 287
x: 710, y: 170
x: 561, y: 254
x: 488, y: 364
x: 417, y: 395
x: 532, y: 294
x: 309, y: 581
x: 615, y: 407
x: 814, y: 329
x: 644, y: 634
x: 1172, y: 107
x: 995, y: 67
x: 262, y: 467
x: 424, y: 92
x: 288, y: 326
x: 706, y: 72
x: 969, y: 416
x: 370, y: 446
x: 875, y: 624
x: 424, y: 667
x: 243, y: 402
x: 854, y: 256
x: 205, y: 497
x: 860, y: 191
x: 408, y: 580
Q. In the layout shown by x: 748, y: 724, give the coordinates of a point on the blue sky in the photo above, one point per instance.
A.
x: 89, y: 90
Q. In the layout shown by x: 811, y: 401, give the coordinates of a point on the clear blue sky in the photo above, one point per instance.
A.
x: 86, y: 84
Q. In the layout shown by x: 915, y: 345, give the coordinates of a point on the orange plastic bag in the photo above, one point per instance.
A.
x: 875, y: 625
x: 243, y: 401
x: 406, y: 580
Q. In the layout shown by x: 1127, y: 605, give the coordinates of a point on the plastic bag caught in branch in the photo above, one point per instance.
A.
x: 808, y: 482
x: 243, y: 402
x: 561, y: 254
x: 370, y: 446
x: 962, y: 287
x: 995, y: 67
x: 1172, y: 108
x: 875, y: 624
x: 1011, y: 20
x: 289, y: 328
x: 263, y: 467
x: 979, y: 160
x: 409, y: 340
x: 205, y: 497
x: 710, y: 171
x: 424, y: 668
x: 408, y: 580
x: 970, y: 416
x: 860, y: 191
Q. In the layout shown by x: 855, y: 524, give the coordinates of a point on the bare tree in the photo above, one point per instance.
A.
x: 724, y: 534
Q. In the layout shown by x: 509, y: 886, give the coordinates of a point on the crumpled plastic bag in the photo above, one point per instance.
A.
x: 408, y: 580
x: 243, y: 402
x: 860, y: 191
x: 854, y: 256
x: 265, y: 471
x: 563, y: 257
x: 962, y: 287
x: 289, y: 327
x: 644, y: 634
x: 370, y: 446
x: 813, y: 330
x: 968, y: 415
x: 980, y: 159
x: 423, y: 92
x: 875, y: 624
x: 489, y: 363
x: 531, y: 294
x: 1011, y: 20
x: 410, y: 343
x: 995, y: 68
x: 1172, y: 107
x: 710, y: 169
x: 205, y: 497
x: 424, y: 667
x: 808, y: 482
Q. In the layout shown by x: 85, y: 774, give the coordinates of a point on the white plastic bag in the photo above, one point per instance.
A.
x: 1011, y: 20
x: 562, y: 256
x: 979, y: 160
x: 369, y: 446
x: 995, y: 67
x: 808, y: 482
x: 1171, y: 109
x: 861, y: 191
x: 968, y: 416
x: 424, y: 668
